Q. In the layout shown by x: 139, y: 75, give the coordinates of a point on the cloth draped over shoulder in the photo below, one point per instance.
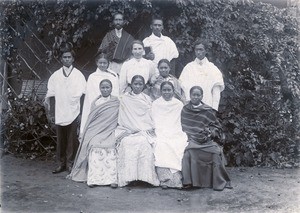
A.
x: 98, y: 133
x: 134, y: 114
x: 205, y: 74
x: 157, y: 80
x: 171, y: 140
x: 203, y: 163
x: 135, y: 152
x: 93, y: 91
x: 163, y: 47
x: 118, y: 49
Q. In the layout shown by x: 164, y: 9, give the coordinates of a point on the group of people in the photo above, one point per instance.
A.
x: 139, y: 122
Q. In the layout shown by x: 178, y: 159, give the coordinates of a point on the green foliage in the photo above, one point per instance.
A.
x: 27, y: 129
x: 254, y: 45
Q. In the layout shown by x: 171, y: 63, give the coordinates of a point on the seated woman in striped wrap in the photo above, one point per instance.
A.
x: 203, y: 163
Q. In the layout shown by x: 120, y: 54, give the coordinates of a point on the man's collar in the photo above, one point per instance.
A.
x: 201, y: 62
x: 161, y: 35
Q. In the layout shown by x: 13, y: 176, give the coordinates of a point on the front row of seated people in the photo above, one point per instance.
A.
x: 163, y: 142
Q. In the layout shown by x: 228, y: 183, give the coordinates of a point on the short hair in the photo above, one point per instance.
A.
x: 66, y: 47
x: 164, y: 61
x: 166, y: 83
x: 157, y: 17
x: 196, y: 87
x: 106, y: 80
x: 201, y: 41
x: 137, y: 42
x: 117, y: 13
x: 137, y: 77
x: 101, y: 55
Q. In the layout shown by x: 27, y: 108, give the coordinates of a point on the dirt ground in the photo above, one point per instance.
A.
x: 29, y: 186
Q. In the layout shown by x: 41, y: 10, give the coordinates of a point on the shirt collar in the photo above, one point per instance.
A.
x: 118, y: 32
x: 161, y: 36
x: 201, y: 62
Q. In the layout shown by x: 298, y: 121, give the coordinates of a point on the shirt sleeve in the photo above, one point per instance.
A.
x: 216, y: 95
x: 123, y: 78
x: 51, y: 86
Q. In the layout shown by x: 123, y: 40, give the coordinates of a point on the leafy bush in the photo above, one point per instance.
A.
x: 27, y: 130
x: 254, y: 44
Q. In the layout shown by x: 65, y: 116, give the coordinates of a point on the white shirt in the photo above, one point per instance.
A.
x: 93, y: 91
x: 67, y: 91
x: 132, y: 67
x: 118, y: 33
x: 163, y: 47
x: 206, y: 75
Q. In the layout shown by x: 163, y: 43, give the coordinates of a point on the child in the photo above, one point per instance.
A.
x: 66, y: 85
x: 92, y: 88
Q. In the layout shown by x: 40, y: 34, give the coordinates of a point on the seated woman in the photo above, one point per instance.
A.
x: 135, y: 135
x: 137, y: 65
x: 96, y: 159
x: 171, y: 140
x: 164, y: 67
x: 92, y: 91
x: 203, y: 163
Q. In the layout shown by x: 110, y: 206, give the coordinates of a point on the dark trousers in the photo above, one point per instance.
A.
x: 67, y: 143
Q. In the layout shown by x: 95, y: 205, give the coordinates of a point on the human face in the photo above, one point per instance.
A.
x: 200, y: 51
x: 137, y: 86
x: 67, y: 59
x: 105, y: 89
x: 137, y: 51
x: 167, y: 92
x: 196, y: 96
x: 157, y: 27
x: 102, y: 64
x: 118, y: 21
x: 164, y: 69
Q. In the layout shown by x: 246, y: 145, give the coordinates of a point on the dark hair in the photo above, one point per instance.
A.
x: 137, y: 42
x: 156, y: 17
x: 106, y: 80
x: 201, y: 41
x: 196, y: 87
x: 166, y: 83
x: 65, y: 48
x: 136, y: 77
x: 101, y: 55
x: 164, y: 61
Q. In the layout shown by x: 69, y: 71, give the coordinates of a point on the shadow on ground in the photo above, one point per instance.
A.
x: 29, y: 186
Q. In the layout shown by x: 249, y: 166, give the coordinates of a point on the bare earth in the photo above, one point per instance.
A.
x: 29, y: 186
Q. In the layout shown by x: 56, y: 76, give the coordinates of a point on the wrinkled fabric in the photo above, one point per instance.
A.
x: 98, y: 133
x: 203, y: 163
x: 135, y: 152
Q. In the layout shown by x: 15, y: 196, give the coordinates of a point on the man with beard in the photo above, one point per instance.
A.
x: 117, y: 44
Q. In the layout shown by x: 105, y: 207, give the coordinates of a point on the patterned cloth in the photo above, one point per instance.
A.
x: 135, y: 152
x: 168, y: 178
x: 97, y: 146
x: 203, y: 163
x: 93, y: 91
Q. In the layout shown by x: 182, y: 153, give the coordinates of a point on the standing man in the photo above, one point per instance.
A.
x: 66, y: 85
x: 117, y: 44
x: 205, y: 74
x: 160, y: 46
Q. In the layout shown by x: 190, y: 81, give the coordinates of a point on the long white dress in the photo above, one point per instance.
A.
x: 170, y: 142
